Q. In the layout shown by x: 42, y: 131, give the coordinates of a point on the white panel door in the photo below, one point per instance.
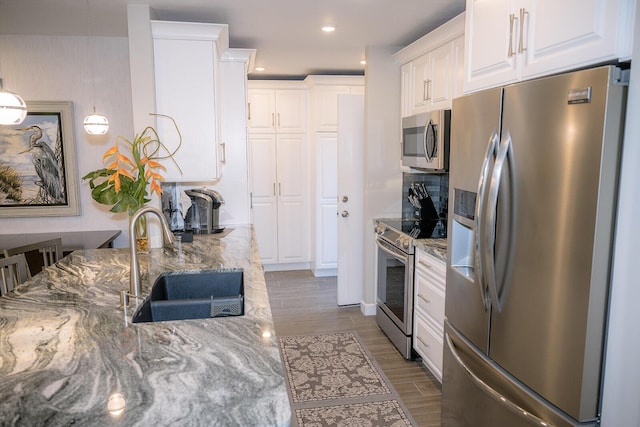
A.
x: 292, y: 189
x: 185, y: 90
x: 490, y: 28
x: 326, y: 113
x: 350, y: 198
x: 327, y: 188
x: 568, y: 33
x: 263, y: 163
x: 291, y: 111
x: 406, y: 89
x: 439, y: 81
x: 261, y: 114
x: 420, y: 76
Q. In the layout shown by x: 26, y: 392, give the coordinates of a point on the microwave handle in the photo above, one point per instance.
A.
x: 427, y: 154
x: 424, y: 141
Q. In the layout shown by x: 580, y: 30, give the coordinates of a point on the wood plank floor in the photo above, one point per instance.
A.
x: 304, y: 304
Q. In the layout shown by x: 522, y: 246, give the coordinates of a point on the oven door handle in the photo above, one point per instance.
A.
x: 398, y: 255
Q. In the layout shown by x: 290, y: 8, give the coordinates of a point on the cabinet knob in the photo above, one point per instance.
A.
x: 344, y: 214
x: 345, y: 199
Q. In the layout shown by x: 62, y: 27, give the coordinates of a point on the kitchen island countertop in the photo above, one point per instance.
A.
x: 70, y: 355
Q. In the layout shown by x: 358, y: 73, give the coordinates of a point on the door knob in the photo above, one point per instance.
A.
x: 344, y: 214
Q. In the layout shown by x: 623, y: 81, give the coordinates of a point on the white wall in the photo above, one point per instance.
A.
x: 382, y: 174
x: 41, y: 68
x: 621, y: 401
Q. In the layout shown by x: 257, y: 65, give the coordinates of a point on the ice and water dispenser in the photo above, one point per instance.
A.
x: 462, y: 250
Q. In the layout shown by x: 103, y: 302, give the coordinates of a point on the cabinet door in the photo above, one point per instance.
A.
x: 458, y: 67
x: 261, y: 114
x: 327, y: 107
x: 428, y: 342
x: 490, y: 33
x: 291, y: 111
x: 439, y: 78
x: 293, y: 223
x: 420, y: 77
x: 559, y: 35
x: 185, y: 74
x: 262, y: 157
x: 327, y: 189
x: 406, y: 90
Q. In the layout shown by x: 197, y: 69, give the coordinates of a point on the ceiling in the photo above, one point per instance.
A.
x: 286, y: 33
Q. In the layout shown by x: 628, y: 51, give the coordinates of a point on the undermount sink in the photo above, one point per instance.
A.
x: 193, y: 295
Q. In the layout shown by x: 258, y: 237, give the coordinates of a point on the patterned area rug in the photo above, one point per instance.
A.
x: 333, y: 381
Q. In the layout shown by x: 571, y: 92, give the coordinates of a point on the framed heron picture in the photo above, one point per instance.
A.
x: 38, y: 170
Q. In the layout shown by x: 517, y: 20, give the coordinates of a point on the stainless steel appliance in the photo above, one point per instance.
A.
x: 395, y: 257
x: 534, y: 169
x: 203, y: 217
x: 425, y: 140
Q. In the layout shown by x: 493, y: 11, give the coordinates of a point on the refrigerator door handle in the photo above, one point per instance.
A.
x: 504, y: 153
x: 502, y: 400
x: 492, y: 147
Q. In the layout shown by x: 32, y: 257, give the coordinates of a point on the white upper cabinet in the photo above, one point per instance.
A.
x: 512, y: 40
x: 186, y: 65
x: 430, y: 69
x: 277, y: 110
x: 324, y: 98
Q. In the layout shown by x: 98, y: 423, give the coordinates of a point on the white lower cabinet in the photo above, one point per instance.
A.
x: 278, y: 197
x: 428, y: 309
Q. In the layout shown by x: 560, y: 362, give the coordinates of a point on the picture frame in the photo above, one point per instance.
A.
x: 38, y: 165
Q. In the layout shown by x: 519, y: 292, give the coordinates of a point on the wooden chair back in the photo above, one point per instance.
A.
x: 51, y: 251
x: 13, y: 271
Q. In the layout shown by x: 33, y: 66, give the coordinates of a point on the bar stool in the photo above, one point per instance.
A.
x: 51, y: 251
x: 13, y: 271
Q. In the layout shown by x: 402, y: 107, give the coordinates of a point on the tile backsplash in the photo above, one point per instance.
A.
x: 437, y: 186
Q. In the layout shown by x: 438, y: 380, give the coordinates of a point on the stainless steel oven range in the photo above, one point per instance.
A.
x: 395, y: 255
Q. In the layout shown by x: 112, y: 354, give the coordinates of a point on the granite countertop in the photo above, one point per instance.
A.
x: 70, y: 355
x: 435, y: 247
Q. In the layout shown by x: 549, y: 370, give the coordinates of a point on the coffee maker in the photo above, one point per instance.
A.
x: 203, y: 217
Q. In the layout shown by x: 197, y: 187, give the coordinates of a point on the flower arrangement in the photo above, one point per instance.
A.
x: 131, y: 167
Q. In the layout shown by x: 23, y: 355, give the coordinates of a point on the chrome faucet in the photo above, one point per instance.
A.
x: 134, y: 279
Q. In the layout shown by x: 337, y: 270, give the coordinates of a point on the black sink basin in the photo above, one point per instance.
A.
x: 193, y: 295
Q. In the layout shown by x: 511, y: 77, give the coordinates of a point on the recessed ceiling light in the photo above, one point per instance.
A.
x: 259, y: 68
x: 328, y: 28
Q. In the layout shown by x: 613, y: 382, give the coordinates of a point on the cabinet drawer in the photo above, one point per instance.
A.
x: 427, y: 262
x: 427, y: 341
x: 429, y: 298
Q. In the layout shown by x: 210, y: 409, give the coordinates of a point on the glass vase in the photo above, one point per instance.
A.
x: 142, y: 235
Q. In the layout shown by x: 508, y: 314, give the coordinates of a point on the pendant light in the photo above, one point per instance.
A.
x: 13, y: 110
x: 94, y: 124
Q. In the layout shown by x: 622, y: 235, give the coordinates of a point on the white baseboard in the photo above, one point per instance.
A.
x: 325, y: 272
x: 367, y: 309
x: 287, y: 267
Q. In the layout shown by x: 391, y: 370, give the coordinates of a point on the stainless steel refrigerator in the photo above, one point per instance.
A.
x: 533, y: 182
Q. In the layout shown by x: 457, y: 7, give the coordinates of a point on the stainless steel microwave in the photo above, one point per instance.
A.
x: 425, y: 140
